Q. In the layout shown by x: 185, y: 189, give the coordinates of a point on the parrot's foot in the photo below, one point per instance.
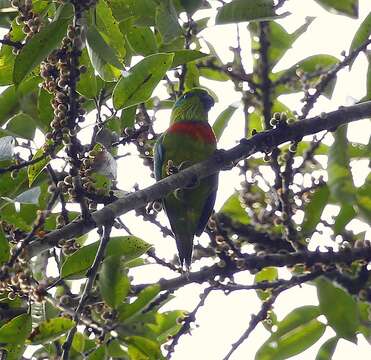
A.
x: 179, y: 194
x: 185, y: 270
x: 184, y: 165
x: 171, y: 169
x: 219, y: 156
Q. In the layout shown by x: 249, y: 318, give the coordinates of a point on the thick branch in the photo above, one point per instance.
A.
x: 262, y: 142
x: 256, y: 262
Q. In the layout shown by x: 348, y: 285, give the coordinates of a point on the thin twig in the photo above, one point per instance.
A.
x: 266, y: 306
x: 23, y: 164
x: 187, y: 322
x: 92, y: 273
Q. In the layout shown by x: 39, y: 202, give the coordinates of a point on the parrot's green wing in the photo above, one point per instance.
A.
x: 188, y: 209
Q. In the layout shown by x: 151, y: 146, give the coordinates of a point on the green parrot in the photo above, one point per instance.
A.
x: 188, y: 140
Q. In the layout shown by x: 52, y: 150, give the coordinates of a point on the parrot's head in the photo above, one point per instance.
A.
x: 192, y: 105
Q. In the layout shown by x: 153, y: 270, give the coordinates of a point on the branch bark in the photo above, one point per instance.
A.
x: 264, y: 141
x: 257, y: 262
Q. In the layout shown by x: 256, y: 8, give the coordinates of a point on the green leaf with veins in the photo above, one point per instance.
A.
x: 16, y: 330
x: 129, y: 247
x: 103, y: 57
x: 38, y: 48
x: 295, y: 333
x: 245, y: 10
x: 340, y: 180
x: 51, y: 330
x: 113, y: 284
x: 343, y: 7
x: 362, y: 34
x: 137, y: 85
x: 344, y: 317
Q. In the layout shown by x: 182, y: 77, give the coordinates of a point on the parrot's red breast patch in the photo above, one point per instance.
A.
x: 197, y: 130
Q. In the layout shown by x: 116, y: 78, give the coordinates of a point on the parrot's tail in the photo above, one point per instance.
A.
x: 184, y: 244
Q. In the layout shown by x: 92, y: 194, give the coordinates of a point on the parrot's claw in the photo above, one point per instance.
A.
x: 184, y: 165
x: 179, y: 194
x: 171, y: 168
x: 185, y: 270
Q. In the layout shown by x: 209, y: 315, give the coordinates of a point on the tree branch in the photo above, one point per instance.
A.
x: 88, y: 286
x: 257, y: 262
x: 262, y: 142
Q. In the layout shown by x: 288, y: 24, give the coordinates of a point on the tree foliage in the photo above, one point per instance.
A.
x: 121, y: 64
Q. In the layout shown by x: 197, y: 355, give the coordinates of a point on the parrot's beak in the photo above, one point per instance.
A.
x: 208, y: 101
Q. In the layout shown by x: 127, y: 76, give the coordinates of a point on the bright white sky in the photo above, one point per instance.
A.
x: 224, y: 318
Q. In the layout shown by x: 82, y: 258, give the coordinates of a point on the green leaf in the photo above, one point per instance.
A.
x: 34, y: 170
x: 213, y: 74
x: 365, y: 323
x: 21, y: 125
x: 6, y: 147
x: 185, y: 56
x: 128, y: 117
x: 12, y: 98
x: 340, y: 180
x: 167, y: 21
x: 266, y: 274
x: 142, y: 10
x: 297, y: 318
x: 115, y: 350
x: 343, y: 7
x: 38, y: 48
x: 129, y: 247
x: 166, y: 324
x: 8, y: 104
x: 191, y: 5
x: 313, y: 210
x: 364, y: 199
x: 109, y: 28
x: 326, y: 351
x: 145, y: 297
x: 14, y: 352
x: 233, y: 208
x: 222, y: 120
x: 12, y: 187
x: 311, y: 65
x: 339, y: 308
x: 363, y: 33
x: 51, y: 330
x: 142, y: 40
x: 245, y: 10
x: 280, y: 40
x: 98, y: 354
x: 87, y: 85
x: 192, y: 77
x: 113, y: 284
x: 346, y: 214
x: 4, y: 248
x: 297, y: 332
x: 102, y: 56
x: 137, y: 86
x: 146, y: 347
x: 78, y: 342
x: 6, y: 65
x: 45, y: 110
x: 16, y: 330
